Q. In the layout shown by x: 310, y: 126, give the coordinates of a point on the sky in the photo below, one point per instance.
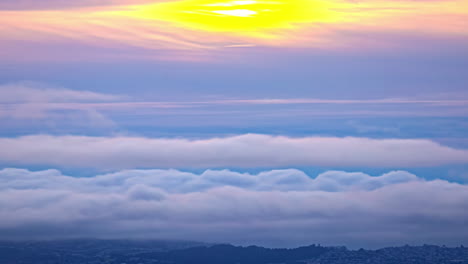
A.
x: 275, y: 123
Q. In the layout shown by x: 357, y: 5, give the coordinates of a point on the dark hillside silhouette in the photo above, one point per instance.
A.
x: 170, y: 252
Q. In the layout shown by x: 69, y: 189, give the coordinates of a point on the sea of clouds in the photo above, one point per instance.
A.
x: 273, y: 208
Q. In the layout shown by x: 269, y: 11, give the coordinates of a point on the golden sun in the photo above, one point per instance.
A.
x: 239, y: 16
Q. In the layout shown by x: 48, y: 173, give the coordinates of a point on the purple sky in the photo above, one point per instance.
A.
x: 278, y: 123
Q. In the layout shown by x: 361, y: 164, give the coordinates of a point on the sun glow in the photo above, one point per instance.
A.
x: 239, y: 16
x: 236, y: 12
x: 198, y: 29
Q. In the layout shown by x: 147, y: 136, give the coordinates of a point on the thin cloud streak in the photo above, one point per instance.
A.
x: 423, y: 107
x: 185, y: 104
x: 327, y: 101
x: 27, y: 100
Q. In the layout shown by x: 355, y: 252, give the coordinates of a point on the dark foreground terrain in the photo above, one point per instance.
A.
x: 145, y: 252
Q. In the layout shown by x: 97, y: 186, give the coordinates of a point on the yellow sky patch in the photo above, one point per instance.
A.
x: 241, y: 16
x: 201, y: 26
x: 259, y: 18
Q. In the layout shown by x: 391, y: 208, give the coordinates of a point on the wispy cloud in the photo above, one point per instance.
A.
x: 60, y: 109
x: 40, y: 95
x: 340, y: 101
x: 28, y: 100
x: 172, y: 30
x: 30, y: 92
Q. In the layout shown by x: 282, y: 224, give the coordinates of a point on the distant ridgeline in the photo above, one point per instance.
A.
x: 170, y: 252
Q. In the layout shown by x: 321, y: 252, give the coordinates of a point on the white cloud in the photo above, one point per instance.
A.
x: 30, y: 92
x: 284, y: 207
x: 249, y: 150
x: 174, y: 181
x: 53, y: 105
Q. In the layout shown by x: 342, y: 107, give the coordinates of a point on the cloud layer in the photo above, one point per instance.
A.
x: 248, y: 151
x: 278, y: 208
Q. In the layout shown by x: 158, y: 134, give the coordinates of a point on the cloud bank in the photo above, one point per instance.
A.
x: 247, y: 151
x: 276, y: 208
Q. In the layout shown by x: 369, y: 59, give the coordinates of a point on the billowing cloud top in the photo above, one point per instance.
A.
x: 276, y: 208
